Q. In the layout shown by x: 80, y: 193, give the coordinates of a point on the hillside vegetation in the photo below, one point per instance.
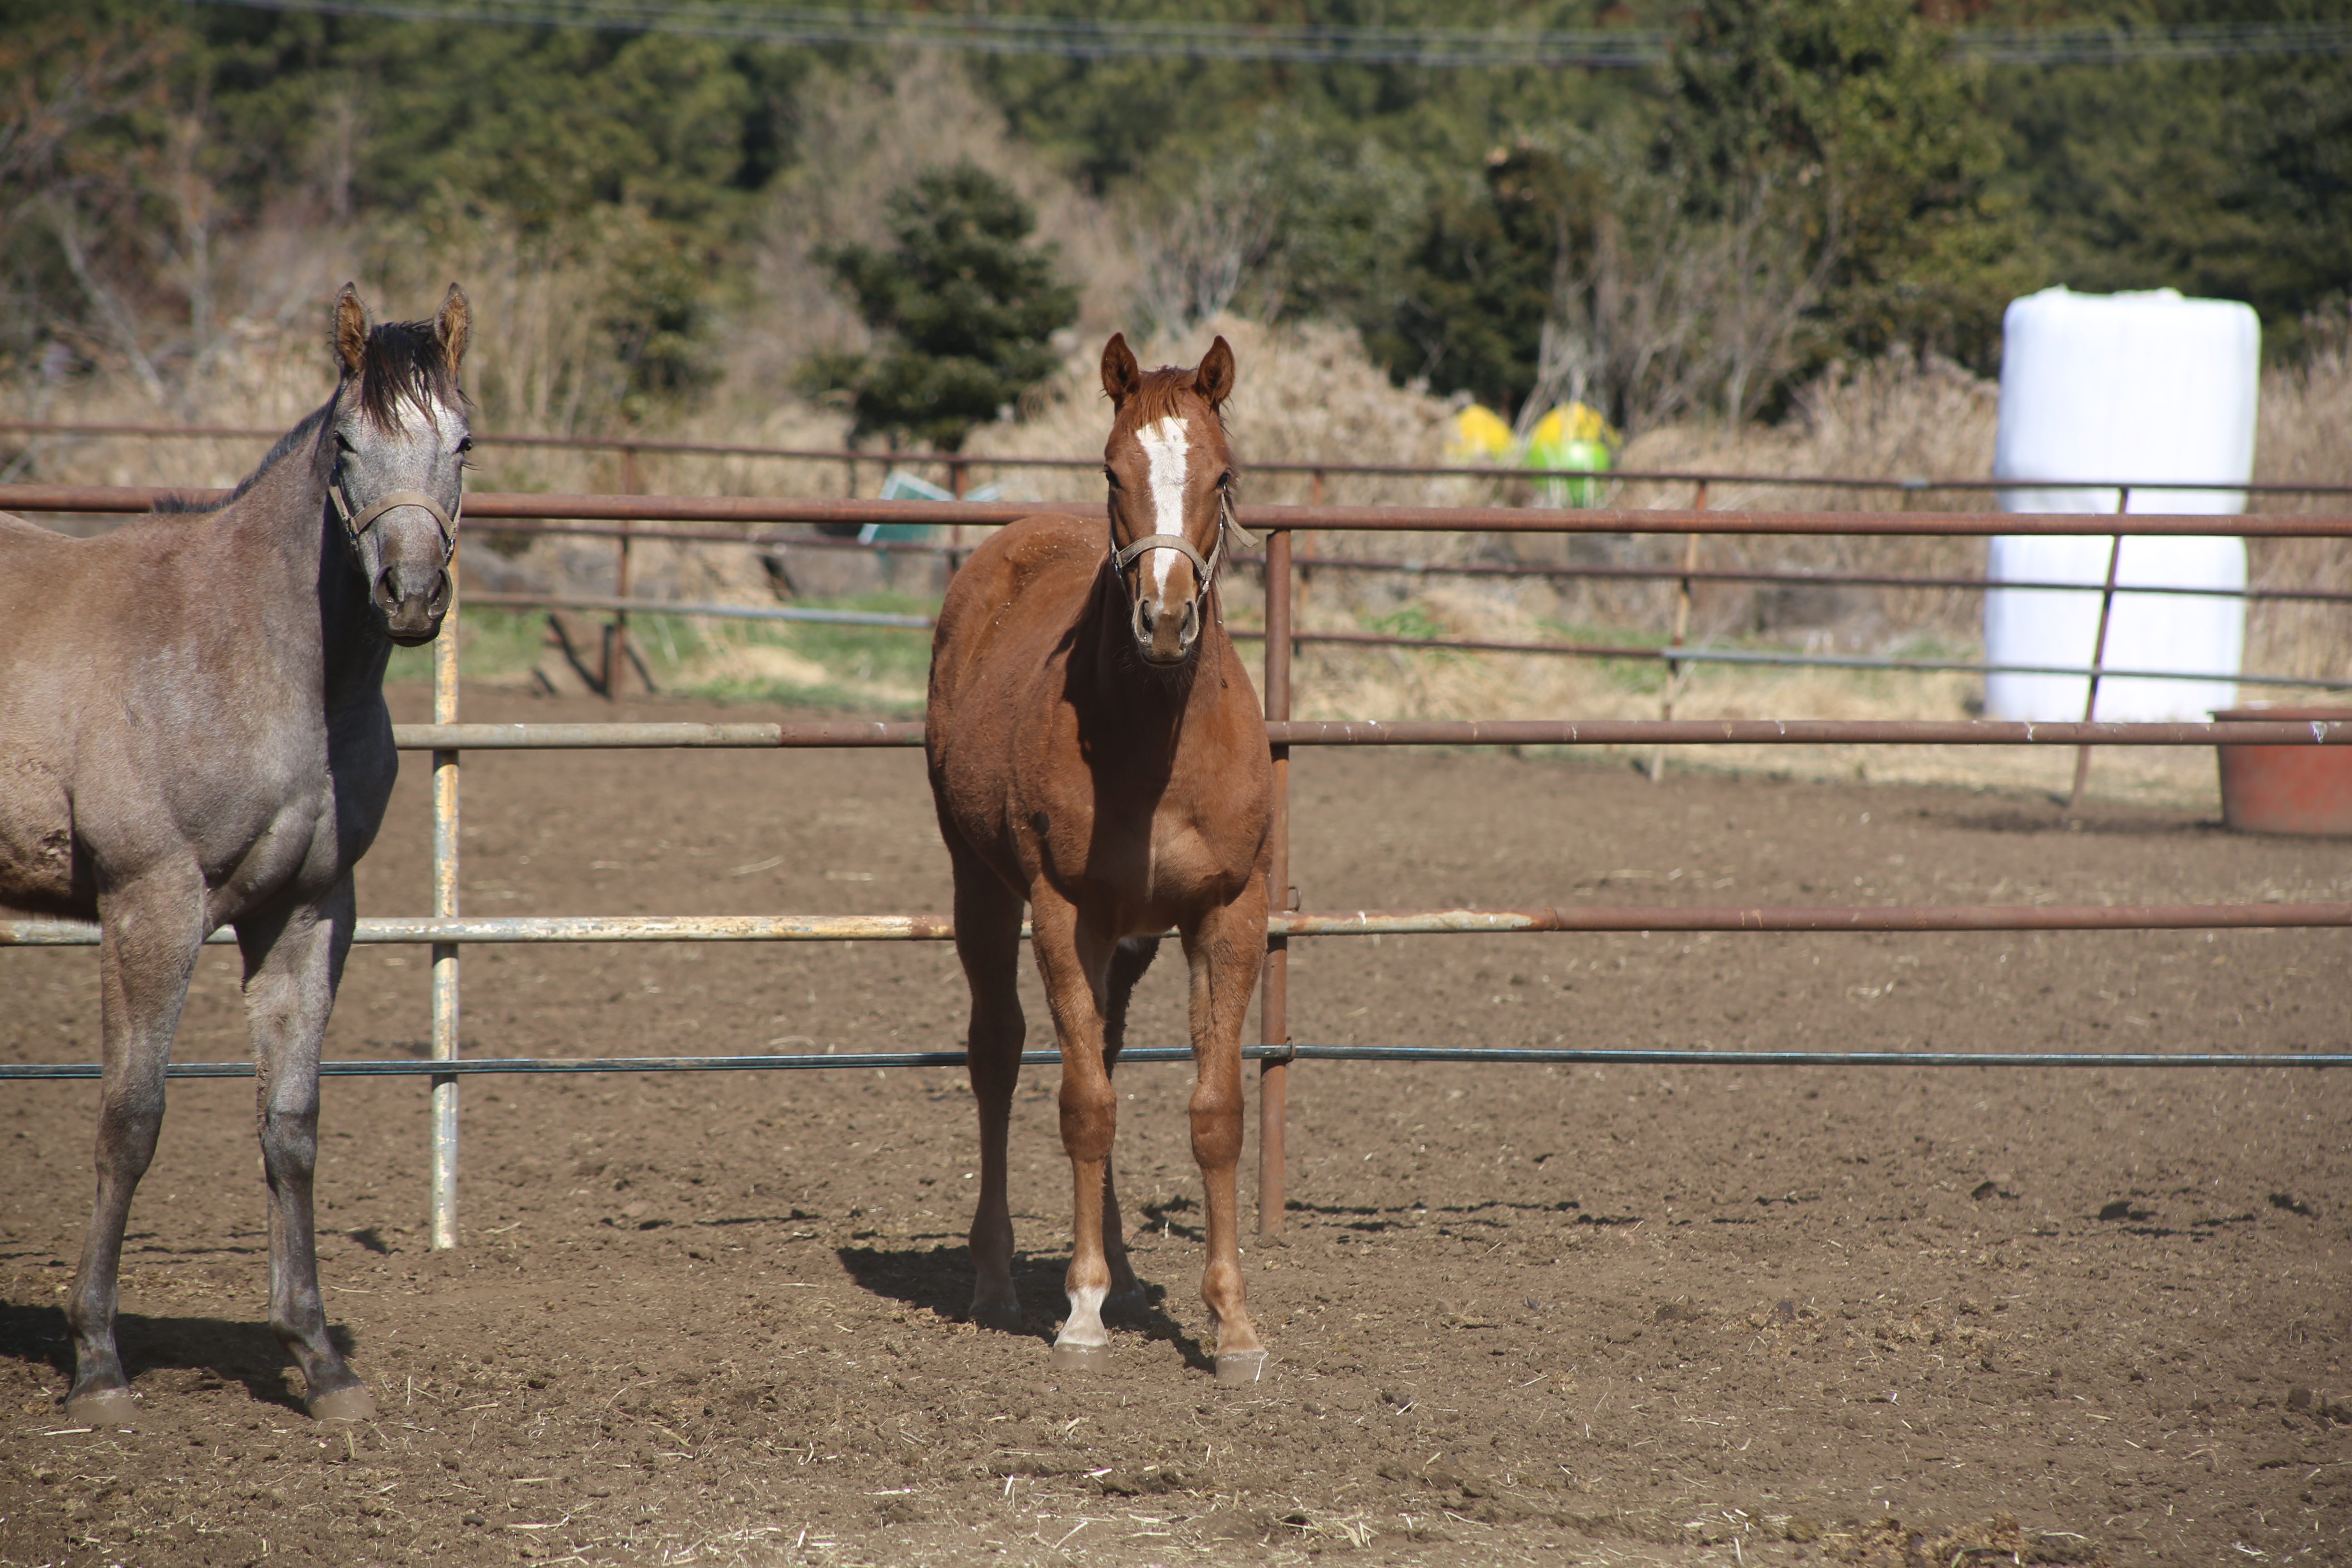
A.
x: 1803, y: 184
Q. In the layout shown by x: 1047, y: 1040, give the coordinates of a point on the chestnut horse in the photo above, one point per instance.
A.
x: 192, y: 734
x: 1097, y: 750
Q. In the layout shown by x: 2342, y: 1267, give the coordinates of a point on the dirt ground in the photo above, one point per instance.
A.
x: 1685, y: 1316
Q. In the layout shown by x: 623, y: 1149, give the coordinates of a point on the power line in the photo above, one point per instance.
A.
x: 1086, y: 39
x: 1071, y: 37
x: 2119, y: 46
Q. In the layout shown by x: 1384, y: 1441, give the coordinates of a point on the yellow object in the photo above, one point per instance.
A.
x: 1571, y: 436
x: 1570, y: 422
x: 1480, y: 432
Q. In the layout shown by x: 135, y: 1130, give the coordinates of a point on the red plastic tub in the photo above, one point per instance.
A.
x: 2303, y: 790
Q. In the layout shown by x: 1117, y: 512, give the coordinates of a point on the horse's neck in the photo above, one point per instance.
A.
x: 286, y: 513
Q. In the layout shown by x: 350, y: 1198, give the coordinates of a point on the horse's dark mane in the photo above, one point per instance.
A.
x: 287, y: 443
x: 403, y: 360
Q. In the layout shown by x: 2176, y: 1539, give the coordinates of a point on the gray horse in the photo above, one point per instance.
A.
x: 192, y: 734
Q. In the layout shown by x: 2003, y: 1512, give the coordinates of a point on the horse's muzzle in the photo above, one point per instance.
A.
x: 1163, y: 638
x: 411, y: 619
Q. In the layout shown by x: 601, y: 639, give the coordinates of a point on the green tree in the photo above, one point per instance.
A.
x: 964, y: 307
x: 2229, y: 178
x: 1482, y: 279
x: 1848, y: 127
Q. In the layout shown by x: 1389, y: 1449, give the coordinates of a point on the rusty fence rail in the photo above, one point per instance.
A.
x: 495, y: 506
x: 1526, y: 569
x: 960, y: 464
x: 1796, y: 918
x: 446, y: 737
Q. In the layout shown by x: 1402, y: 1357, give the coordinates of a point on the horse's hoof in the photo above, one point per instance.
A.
x: 1241, y: 1368
x: 353, y: 1402
x: 1003, y: 1316
x: 1081, y: 1358
x: 103, y: 1407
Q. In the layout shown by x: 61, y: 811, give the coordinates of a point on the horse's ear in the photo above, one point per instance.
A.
x: 1214, y: 379
x: 452, y: 325
x: 1121, y: 375
x: 353, y: 325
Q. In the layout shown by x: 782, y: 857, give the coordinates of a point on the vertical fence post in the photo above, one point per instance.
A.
x: 1274, y: 987
x: 1682, y: 628
x: 616, y: 636
x: 444, y: 1180
x: 2099, y: 652
x: 1303, y: 553
x: 955, y: 534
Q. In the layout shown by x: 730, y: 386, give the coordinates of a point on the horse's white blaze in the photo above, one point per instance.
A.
x: 1167, y: 446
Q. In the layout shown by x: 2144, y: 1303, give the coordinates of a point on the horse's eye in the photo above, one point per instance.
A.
x: 343, y: 442
x: 1112, y: 478
x: 466, y: 446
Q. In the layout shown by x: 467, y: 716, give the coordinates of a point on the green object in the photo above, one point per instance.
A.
x: 964, y: 307
x: 1590, y: 456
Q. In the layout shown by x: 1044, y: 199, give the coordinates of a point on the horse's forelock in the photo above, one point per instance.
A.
x: 1164, y: 393
x: 404, y: 361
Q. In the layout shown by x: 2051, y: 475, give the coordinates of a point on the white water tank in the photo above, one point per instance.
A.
x: 2142, y: 389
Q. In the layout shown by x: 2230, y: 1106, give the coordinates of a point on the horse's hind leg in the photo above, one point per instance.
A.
x: 1129, y: 960
x: 987, y: 942
x: 293, y: 962
x: 152, y: 934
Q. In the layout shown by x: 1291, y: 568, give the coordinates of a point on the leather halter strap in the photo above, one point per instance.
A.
x: 1205, y: 566
x: 355, y: 527
x: 1176, y: 541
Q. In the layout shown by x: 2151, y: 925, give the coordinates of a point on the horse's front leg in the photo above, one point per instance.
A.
x: 1129, y: 959
x: 293, y: 962
x: 1074, y: 964
x: 1225, y: 948
x: 152, y: 934
x: 988, y: 941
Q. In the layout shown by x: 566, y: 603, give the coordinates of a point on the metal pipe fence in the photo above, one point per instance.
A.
x: 552, y: 513
x: 446, y: 930
x: 958, y: 464
x: 453, y: 930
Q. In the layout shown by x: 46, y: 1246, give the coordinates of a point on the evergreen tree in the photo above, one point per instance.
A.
x: 966, y: 309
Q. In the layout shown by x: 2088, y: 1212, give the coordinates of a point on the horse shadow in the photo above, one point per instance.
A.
x: 939, y: 1279
x: 216, y: 1350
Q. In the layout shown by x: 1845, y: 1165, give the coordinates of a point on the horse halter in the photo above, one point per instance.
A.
x: 354, y: 528
x: 1204, y: 567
